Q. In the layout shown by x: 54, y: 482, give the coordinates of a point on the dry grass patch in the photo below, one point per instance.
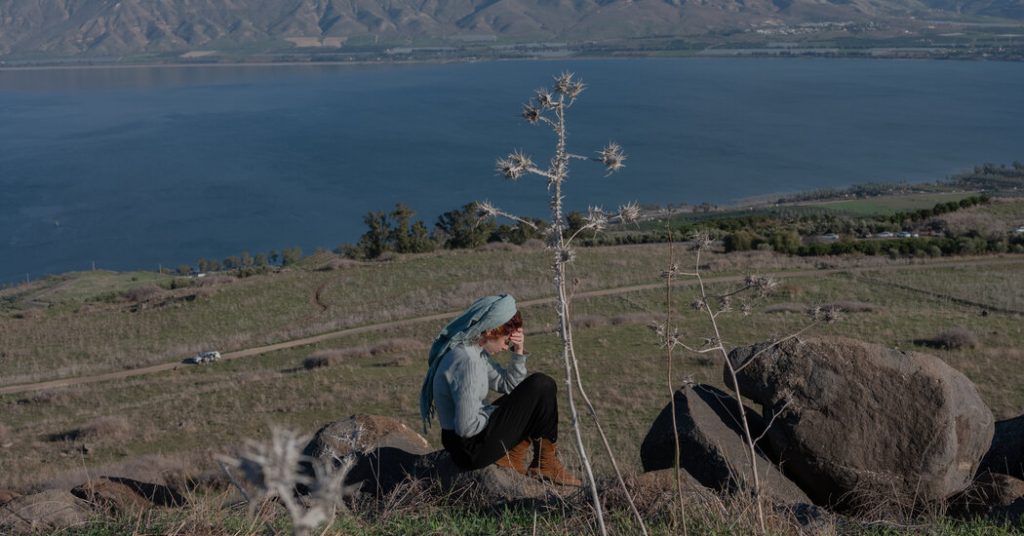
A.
x: 843, y: 306
x: 142, y: 293
x: 955, y: 338
x: 103, y: 430
x: 334, y: 356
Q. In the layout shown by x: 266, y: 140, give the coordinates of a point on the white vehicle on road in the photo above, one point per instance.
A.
x: 204, y: 357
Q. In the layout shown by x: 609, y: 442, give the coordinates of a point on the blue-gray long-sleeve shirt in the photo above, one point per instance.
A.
x: 464, y: 377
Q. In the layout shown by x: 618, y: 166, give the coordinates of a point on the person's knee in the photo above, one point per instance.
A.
x: 542, y: 382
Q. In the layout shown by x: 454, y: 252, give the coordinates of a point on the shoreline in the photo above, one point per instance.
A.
x: 883, y: 53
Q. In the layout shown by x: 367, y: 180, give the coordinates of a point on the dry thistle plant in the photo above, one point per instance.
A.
x: 548, y: 107
x: 712, y: 307
x: 274, y: 469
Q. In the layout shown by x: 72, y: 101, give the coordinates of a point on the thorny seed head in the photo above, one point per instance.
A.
x: 543, y: 99
x: 710, y: 341
x: 514, y: 165
x: 596, y: 219
x: 666, y: 338
x: 612, y: 157
x: 566, y: 255
x: 702, y: 241
x: 762, y: 284
x: 828, y: 315
x: 629, y: 213
x: 671, y: 273
x: 531, y: 113
x: 566, y: 85
x: 699, y: 304
x: 746, y: 308
x: 484, y: 209
x: 724, y: 304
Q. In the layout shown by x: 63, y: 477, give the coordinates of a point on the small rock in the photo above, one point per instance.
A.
x: 50, y: 510
x: 7, y: 495
x: 492, y: 484
x: 116, y: 497
x: 990, y: 495
x: 1006, y: 454
x: 362, y: 433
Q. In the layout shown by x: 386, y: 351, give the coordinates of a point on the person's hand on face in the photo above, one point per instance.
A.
x: 516, y: 341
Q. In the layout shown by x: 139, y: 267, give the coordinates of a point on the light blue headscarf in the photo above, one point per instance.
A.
x: 486, y: 313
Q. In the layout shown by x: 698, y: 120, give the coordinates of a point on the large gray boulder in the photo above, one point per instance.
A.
x: 1006, y: 454
x: 712, y: 446
x: 858, y: 421
x: 47, y: 511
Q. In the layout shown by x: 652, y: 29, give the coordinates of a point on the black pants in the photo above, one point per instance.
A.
x: 530, y: 411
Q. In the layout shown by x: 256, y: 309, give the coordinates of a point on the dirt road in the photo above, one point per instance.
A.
x: 153, y: 369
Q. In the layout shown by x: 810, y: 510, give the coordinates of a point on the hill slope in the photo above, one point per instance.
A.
x: 53, y: 28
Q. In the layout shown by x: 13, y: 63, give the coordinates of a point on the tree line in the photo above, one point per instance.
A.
x: 462, y: 228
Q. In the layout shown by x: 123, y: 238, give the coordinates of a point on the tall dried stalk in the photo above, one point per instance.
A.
x: 548, y: 106
x: 669, y: 275
x: 762, y: 285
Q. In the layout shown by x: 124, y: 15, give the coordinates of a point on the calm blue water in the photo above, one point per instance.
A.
x: 134, y: 167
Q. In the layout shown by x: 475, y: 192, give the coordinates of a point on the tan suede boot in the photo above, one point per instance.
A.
x: 515, y: 459
x: 546, y: 466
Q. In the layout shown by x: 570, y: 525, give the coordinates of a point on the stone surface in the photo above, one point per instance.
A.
x: 362, y: 433
x: 1006, y: 454
x: 859, y: 420
x: 387, y: 453
x: 711, y: 443
x: 990, y: 495
x: 6, y: 495
x: 492, y: 483
x: 50, y: 510
x: 383, y: 449
x: 123, y: 495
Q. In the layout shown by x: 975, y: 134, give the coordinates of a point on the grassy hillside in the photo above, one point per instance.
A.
x: 100, y: 322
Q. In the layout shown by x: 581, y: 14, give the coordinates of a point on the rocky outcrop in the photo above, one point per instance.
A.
x: 386, y: 453
x: 360, y: 433
x: 991, y: 495
x: 50, y: 510
x: 1006, y: 454
x: 125, y: 495
x: 7, y: 495
x: 712, y: 446
x: 859, y: 419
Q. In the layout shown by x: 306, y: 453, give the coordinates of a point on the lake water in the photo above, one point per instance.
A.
x: 133, y: 167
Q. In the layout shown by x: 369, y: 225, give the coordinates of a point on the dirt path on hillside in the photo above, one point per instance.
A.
x: 153, y: 369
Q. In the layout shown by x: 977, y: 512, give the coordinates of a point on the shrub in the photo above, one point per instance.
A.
x: 956, y: 338
x: 316, y: 361
x: 109, y: 429
x: 140, y: 294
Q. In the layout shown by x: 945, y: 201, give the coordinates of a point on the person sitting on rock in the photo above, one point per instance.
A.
x: 459, y: 376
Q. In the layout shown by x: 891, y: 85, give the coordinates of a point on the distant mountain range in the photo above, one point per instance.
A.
x: 93, y: 28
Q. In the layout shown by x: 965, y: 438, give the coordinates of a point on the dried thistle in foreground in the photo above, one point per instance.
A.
x: 274, y: 469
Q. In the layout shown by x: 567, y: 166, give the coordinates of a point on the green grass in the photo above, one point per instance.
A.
x: 890, y: 204
x: 454, y: 518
